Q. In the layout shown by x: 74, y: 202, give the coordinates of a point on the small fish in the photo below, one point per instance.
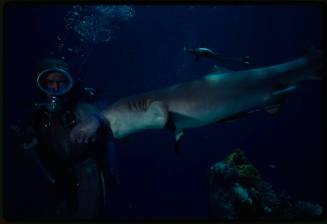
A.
x: 272, y: 166
x: 206, y: 52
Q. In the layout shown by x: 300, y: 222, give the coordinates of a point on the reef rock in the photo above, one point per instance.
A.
x: 237, y: 191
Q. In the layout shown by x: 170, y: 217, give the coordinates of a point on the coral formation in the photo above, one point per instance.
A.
x: 246, y: 173
x: 237, y: 191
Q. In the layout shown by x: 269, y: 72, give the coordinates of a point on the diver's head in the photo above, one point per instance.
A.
x: 54, y: 82
x: 53, y: 79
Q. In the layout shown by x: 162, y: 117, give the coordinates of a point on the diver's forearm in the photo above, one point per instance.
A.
x: 36, y: 159
x: 30, y: 152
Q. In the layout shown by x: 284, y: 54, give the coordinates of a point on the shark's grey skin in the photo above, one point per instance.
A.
x: 213, y: 98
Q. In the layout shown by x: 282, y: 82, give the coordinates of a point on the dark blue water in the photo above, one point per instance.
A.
x: 147, y: 53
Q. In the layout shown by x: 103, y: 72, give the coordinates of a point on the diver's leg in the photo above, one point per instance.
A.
x: 89, y: 189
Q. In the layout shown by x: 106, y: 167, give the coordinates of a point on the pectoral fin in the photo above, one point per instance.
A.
x: 278, y: 98
x: 283, y: 92
x: 178, y: 135
x: 273, y: 109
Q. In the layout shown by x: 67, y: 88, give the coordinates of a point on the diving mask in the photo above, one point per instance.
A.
x: 54, y: 81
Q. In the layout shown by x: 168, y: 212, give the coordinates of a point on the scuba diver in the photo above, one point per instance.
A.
x: 75, y: 165
x: 205, y: 52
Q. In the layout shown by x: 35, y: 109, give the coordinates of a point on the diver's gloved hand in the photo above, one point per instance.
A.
x: 25, y: 136
x: 86, y: 130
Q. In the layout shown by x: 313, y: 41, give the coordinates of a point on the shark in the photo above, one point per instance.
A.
x: 220, y: 96
x: 207, y: 53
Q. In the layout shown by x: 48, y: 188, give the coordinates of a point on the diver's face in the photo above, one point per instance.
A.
x: 56, y: 81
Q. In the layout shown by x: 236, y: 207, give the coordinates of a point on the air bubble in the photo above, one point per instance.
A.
x: 94, y: 24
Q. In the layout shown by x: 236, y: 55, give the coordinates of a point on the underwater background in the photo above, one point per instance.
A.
x: 141, y: 48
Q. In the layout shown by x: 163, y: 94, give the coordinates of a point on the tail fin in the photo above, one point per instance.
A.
x: 315, y: 55
x: 312, y: 51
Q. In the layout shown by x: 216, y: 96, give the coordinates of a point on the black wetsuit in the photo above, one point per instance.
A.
x: 77, y: 170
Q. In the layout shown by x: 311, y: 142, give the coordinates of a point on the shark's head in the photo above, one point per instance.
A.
x: 124, y: 121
